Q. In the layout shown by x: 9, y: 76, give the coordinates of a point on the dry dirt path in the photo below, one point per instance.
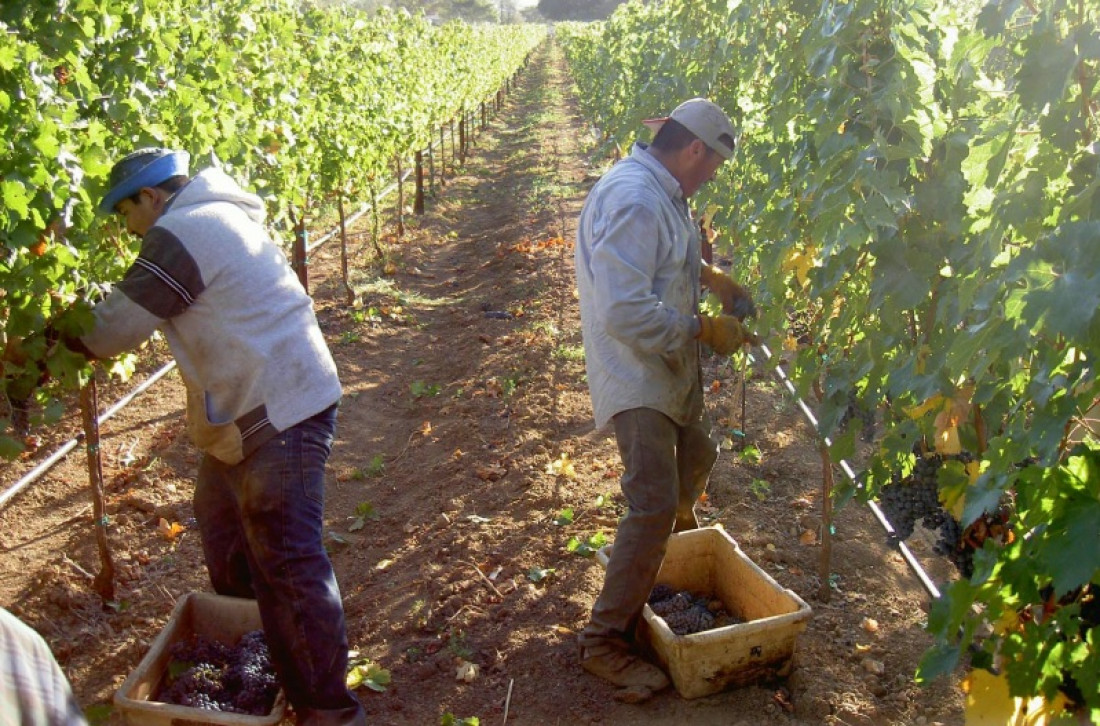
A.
x: 463, y: 384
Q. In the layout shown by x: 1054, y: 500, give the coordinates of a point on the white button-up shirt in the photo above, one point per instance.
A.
x: 637, y: 266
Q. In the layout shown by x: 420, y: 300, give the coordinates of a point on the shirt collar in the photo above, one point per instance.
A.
x: 640, y: 153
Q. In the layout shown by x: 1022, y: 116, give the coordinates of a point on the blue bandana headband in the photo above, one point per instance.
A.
x: 165, y: 164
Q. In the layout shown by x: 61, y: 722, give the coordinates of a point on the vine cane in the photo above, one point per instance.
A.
x: 104, y: 583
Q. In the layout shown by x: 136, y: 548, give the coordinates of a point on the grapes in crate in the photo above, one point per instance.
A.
x: 207, y: 674
x: 686, y: 613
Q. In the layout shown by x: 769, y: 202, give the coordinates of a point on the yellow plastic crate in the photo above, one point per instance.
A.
x: 708, y: 561
x: 217, y: 617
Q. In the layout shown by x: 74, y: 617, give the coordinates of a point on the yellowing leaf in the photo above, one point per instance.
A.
x: 426, y: 428
x: 169, y: 531
x: 801, y: 261
x: 466, y: 671
x: 947, y: 440
x: 989, y: 703
x: 953, y: 499
x: 915, y: 412
x: 562, y: 467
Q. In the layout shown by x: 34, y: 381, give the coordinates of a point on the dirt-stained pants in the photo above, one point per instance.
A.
x: 666, y: 467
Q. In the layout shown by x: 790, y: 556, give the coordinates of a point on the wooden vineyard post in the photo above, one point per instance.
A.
x: 482, y: 115
x: 400, y: 198
x: 454, y: 154
x: 418, y: 202
x: 431, y: 171
x: 824, y: 569
x: 462, y: 135
x: 299, y: 261
x: 442, y: 160
x: 344, y: 251
x: 104, y: 582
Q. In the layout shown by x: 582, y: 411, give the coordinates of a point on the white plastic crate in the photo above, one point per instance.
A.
x: 217, y: 617
x: 708, y: 561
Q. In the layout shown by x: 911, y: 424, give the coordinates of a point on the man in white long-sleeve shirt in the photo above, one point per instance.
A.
x: 638, y: 267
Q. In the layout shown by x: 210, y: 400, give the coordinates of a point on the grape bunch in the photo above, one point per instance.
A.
x: 859, y: 411
x: 207, y: 674
x: 958, y: 544
x: 686, y: 613
x: 950, y: 544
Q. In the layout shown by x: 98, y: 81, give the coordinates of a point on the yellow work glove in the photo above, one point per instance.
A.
x: 736, y: 300
x: 724, y: 333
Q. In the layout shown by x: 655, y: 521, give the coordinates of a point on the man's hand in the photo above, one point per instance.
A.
x: 724, y: 334
x: 736, y: 300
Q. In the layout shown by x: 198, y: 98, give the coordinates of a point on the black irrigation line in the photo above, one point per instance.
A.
x: 48, y: 463
x: 906, y: 553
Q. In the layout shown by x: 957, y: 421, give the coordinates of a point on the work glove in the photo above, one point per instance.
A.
x: 736, y: 300
x: 724, y: 334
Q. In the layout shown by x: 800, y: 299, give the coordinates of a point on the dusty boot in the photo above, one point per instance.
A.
x: 625, y: 670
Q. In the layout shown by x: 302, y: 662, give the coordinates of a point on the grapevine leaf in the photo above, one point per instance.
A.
x: 1047, y: 68
x: 14, y: 195
x: 1072, y: 545
x: 939, y: 660
x: 983, y: 497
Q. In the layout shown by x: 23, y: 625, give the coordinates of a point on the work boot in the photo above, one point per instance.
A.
x: 625, y: 670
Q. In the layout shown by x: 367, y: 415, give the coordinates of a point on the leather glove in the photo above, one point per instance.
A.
x: 724, y: 334
x: 736, y: 300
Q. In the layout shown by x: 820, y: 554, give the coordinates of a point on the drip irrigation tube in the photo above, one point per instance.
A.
x: 906, y: 553
x: 352, y: 218
x: 71, y: 444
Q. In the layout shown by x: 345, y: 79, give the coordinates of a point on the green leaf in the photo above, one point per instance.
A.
x: 939, y: 660
x: 1046, y: 70
x: 538, y: 574
x: 564, y: 517
x: 10, y: 448
x: 1071, y: 551
x: 15, y: 197
x: 99, y: 713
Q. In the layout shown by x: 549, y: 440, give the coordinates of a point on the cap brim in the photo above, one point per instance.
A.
x: 151, y: 174
x: 654, y: 124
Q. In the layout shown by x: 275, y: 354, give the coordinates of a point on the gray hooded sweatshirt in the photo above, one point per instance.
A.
x: 238, y: 322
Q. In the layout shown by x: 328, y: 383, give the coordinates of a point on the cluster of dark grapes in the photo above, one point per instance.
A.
x: 1089, y: 600
x: 905, y: 501
x: 215, y: 677
x: 686, y: 613
x: 950, y: 544
x: 858, y: 411
x: 798, y: 326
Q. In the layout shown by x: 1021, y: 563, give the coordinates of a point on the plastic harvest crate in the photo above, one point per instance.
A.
x: 709, y: 562
x: 220, y: 618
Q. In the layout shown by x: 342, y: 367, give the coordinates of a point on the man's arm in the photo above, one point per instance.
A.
x: 162, y: 283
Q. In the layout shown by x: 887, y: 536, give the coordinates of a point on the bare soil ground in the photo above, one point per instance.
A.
x: 463, y: 384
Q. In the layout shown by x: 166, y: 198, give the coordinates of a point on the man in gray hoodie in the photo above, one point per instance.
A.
x: 262, y: 393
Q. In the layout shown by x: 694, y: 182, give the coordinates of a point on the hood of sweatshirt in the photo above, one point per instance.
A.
x: 214, y: 185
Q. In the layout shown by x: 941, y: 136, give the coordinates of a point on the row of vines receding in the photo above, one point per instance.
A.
x: 916, y: 207
x: 307, y: 106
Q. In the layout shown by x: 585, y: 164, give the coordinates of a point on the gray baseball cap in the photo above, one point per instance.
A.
x: 706, y: 120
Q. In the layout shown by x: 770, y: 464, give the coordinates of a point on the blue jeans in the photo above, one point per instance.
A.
x: 665, y: 469
x: 261, y: 525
